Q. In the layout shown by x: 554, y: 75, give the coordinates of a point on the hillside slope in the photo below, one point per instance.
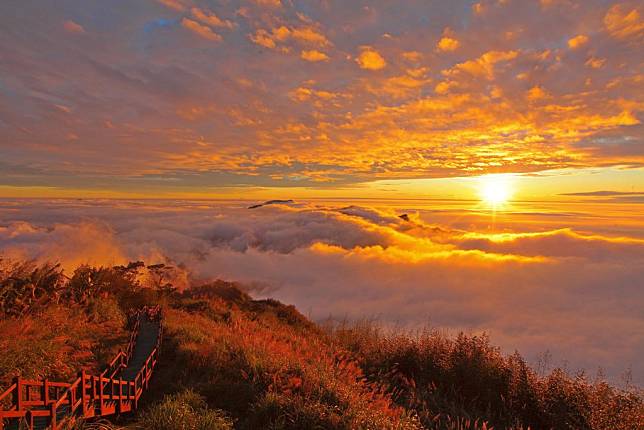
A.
x: 229, y: 361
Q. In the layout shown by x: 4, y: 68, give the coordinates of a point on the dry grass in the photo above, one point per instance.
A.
x: 466, y: 380
x: 270, y: 371
x: 59, y: 341
x: 229, y: 361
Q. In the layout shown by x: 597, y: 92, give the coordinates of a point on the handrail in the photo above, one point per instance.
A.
x: 125, y: 357
x: 8, y: 391
x: 107, y: 403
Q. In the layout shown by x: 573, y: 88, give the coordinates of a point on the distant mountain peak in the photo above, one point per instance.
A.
x: 272, y: 202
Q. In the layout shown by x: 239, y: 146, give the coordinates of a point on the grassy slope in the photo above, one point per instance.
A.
x: 268, y: 367
x: 59, y: 341
x: 233, y: 362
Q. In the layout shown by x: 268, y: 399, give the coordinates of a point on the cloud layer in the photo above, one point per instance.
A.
x: 575, y: 294
x: 183, y: 94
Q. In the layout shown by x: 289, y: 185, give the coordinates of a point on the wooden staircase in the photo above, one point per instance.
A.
x: 117, y: 390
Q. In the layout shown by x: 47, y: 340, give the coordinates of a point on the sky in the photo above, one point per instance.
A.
x: 509, y: 132
x: 265, y: 98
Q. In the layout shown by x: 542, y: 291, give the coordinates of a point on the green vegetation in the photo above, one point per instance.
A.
x: 186, y: 410
x: 233, y: 362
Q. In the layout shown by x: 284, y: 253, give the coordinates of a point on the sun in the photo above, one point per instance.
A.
x: 495, y: 190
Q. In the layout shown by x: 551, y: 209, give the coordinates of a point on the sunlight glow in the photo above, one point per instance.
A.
x: 495, y: 190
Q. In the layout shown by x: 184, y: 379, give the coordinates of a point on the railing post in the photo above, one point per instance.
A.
x: 144, y: 377
x: 72, y: 398
x: 54, y: 418
x: 136, y: 399
x: 83, y: 392
x: 100, y: 394
x: 17, y: 395
x: 44, y: 395
x: 147, y: 373
x: 120, y: 395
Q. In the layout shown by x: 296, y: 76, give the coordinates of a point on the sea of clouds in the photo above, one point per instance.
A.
x: 577, y: 295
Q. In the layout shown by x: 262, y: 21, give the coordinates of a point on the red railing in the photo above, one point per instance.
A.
x: 88, y: 396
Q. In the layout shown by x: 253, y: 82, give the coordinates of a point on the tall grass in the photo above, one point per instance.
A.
x: 466, y: 378
x: 59, y: 341
x: 270, y: 372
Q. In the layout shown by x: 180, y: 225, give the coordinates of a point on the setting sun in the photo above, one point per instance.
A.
x: 495, y: 189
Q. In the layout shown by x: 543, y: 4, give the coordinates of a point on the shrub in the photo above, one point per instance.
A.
x: 25, y: 286
x: 184, y: 411
x: 74, y: 423
x: 103, y: 310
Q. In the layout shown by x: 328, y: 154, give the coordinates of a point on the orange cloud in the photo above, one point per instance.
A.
x: 536, y: 93
x: 73, y: 245
x: 577, y: 41
x: 304, y: 93
x: 447, y: 44
x: 72, y: 27
x: 279, y: 36
x: 412, y: 56
x: 177, y: 5
x: 403, y: 85
x: 424, y: 114
x: 623, y: 23
x: 210, y: 18
x: 269, y: 3
x: 309, y: 35
x: 370, y: 59
x: 263, y: 38
x: 201, y: 30
x: 478, y: 8
x: 484, y: 65
x: 444, y: 87
x: 314, y: 55
x: 595, y: 63
x: 565, y: 233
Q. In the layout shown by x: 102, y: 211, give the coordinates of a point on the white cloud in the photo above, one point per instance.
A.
x: 571, y: 293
